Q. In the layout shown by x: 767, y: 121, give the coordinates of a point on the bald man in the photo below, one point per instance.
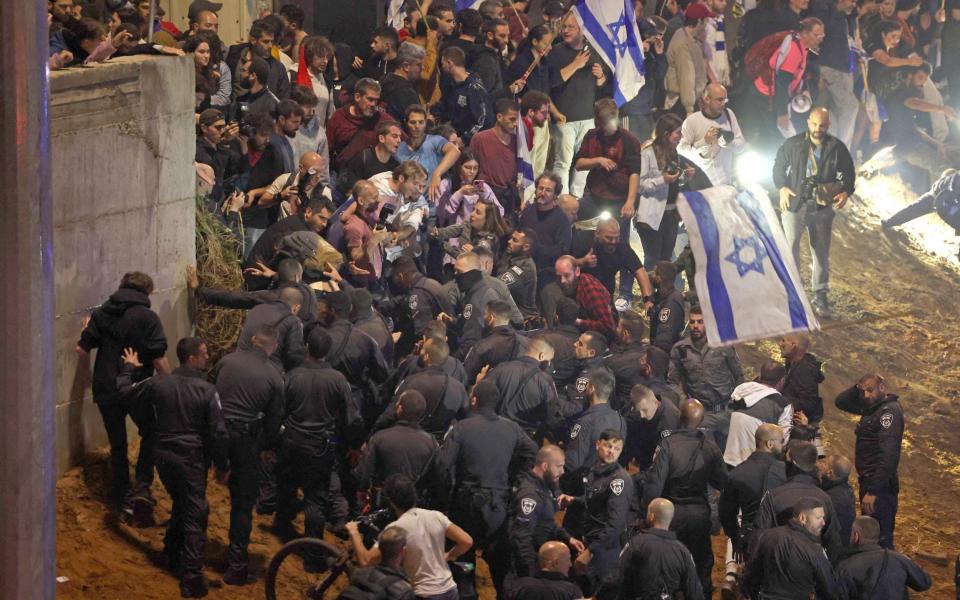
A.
x: 763, y: 470
x: 712, y: 137
x: 551, y: 583
x: 809, y: 191
x: 877, y: 452
x: 873, y: 572
x: 655, y: 563
x: 528, y: 394
x: 684, y: 464
x: 604, y: 252
x: 835, y: 481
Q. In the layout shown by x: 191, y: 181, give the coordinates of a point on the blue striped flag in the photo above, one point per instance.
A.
x: 747, y: 282
x: 524, y: 162
x: 462, y: 4
x: 611, y: 28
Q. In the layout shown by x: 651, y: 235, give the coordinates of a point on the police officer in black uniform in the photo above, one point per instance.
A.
x: 654, y: 564
x: 608, y: 493
x: 368, y: 320
x: 403, y: 448
x: 251, y: 391
x: 877, y: 453
x: 562, y: 335
x: 317, y: 419
x: 875, y: 572
x: 280, y: 314
x: 517, y: 269
x: 356, y: 355
x: 747, y: 483
x: 425, y: 299
x: 528, y: 395
x: 190, y: 435
x: 483, y: 453
x: 624, y: 358
x: 534, y: 505
x: 446, y: 397
x: 803, y: 481
x: 581, y: 453
x: 685, y: 462
x: 474, y: 294
x: 590, y: 348
x: 434, y: 330
x: 647, y: 419
x: 666, y: 318
x: 500, y: 343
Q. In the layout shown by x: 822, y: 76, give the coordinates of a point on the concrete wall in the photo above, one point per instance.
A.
x: 122, y: 140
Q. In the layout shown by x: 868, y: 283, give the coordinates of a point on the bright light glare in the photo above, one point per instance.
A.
x: 605, y: 215
x: 753, y: 167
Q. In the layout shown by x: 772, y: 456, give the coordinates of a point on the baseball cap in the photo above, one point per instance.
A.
x: 198, y: 6
x: 697, y: 11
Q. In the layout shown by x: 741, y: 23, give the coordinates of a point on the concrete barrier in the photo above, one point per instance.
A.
x: 122, y: 145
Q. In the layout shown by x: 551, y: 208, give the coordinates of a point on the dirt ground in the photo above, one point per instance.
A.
x: 896, y: 313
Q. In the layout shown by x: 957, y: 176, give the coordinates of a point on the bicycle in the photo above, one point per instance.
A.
x: 327, y: 562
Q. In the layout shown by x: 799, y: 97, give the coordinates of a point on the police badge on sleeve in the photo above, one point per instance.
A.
x: 886, y: 421
x: 575, y: 431
x: 527, y: 505
x: 616, y: 486
x: 467, y: 311
x: 664, y: 315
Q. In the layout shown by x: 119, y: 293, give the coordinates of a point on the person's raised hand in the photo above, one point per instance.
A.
x: 580, y: 60
x: 131, y: 357
x: 589, y: 259
x: 119, y: 38
x: 193, y: 282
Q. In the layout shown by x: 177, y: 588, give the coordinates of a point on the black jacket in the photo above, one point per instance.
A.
x: 644, y: 435
x: 528, y: 395
x: 608, y: 495
x: 565, y: 363
x: 684, y: 463
x: 789, y: 564
x: 520, y: 275
x: 776, y: 508
x: 446, y: 398
x: 123, y: 321
x: 381, y: 582
x: 790, y: 166
x: 251, y: 391
x: 475, y: 295
x: 532, y: 522
x: 411, y: 364
x: 397, y: 93
x: 746, y: 485
x: 318, y: 408
x: 501, y: 344
x: 186, y: 414
x: 358, y: 357
x: 667, y: 319
x: 654, y: 563
x: 872, y: 573
x: 247, y: 300
x: 426, y: 299
x: 581, y: 447
x: 624, y: 362
x: 801, y: 386
x: 403, y: 448
x: 486, y: 450
x: 489, y: 66
x: 545, y: 586
x: 290, y: 350
x: 844, y: 504
x: 879, y: 438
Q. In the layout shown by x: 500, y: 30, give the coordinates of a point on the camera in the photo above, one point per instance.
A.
x: 386, y: 211
x: 726, y: 136
x: 808, y: 189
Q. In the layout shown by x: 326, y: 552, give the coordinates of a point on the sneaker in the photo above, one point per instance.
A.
x: 821, y: 306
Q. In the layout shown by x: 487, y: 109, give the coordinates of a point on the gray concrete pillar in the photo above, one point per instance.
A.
x: 27, y: 486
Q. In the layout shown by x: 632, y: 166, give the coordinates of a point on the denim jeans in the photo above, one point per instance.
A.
x: 250, y: 237
x: 819, y: 225
x: 566, y: 143
x: 838, y: 88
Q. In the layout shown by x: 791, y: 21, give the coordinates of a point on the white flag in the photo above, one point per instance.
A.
x: 610, y: 27
x: 747, y: 282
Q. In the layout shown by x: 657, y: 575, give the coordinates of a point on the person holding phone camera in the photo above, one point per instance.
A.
x: 712, y: 137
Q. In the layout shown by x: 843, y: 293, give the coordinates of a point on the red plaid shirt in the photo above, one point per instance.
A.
x: 595, y: 308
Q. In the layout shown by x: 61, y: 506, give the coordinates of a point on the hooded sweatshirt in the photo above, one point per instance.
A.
x: 753, y: 404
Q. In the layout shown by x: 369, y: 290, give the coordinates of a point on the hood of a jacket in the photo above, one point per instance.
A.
x: 123, y: 299
x: 751, y: 392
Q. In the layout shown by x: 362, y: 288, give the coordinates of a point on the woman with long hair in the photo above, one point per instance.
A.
x: 461, y: 190
x: 206, y: 50
x: 485, y: 227
x: 533, y: 49
x: 662, y: 173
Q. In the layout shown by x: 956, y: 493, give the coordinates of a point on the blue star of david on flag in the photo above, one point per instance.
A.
x: 618, y: 27
x: 752, y: 260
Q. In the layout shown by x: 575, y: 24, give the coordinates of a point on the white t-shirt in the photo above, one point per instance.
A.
x: 424, y: 561
x: 715, y: 159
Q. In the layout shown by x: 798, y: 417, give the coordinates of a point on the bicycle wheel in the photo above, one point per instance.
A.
x: 287, y: 579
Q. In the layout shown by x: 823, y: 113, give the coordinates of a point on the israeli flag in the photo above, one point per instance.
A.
x: 524, y: 162
x: 396, y: 13
x: 610, y: 27
x: 462, y: 4
x: 748, y: 284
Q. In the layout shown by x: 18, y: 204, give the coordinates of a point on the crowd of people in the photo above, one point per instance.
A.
x: 427, y: 336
